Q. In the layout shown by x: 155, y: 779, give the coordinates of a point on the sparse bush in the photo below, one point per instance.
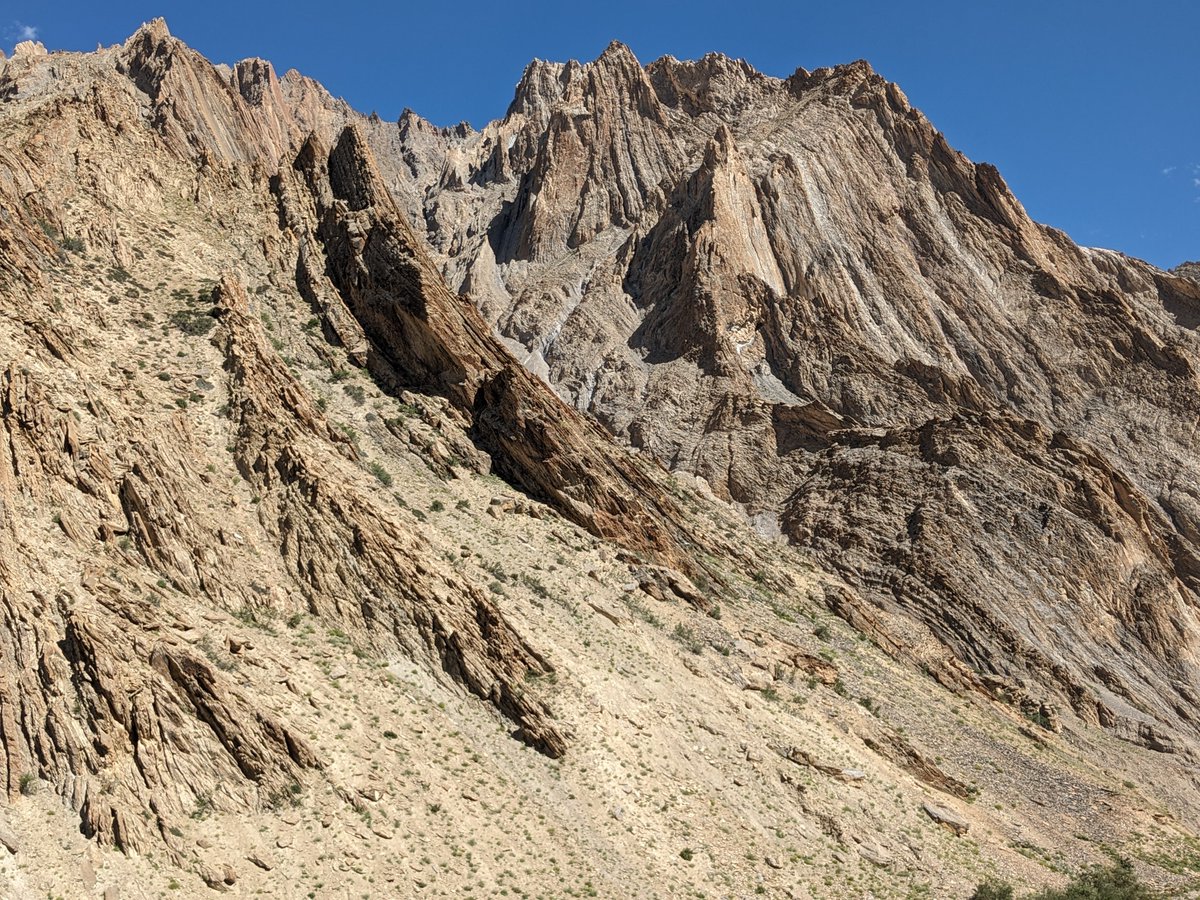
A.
x: 356, y: 392
x: 646, y: 615
x: 686, y: 636
x: 437, y: 506
x: 29, y: 784
x: 382, y: 475
x: 991, y: 889
x: 204, y: 807
x: 189, y: 321
x: 686, y: 854
x: 1115, y: 882
x: 535, y: 584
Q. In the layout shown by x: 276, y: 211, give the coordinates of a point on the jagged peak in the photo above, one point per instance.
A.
x: 617, y: 52
x: 254, y: 77
x: 254, y: 63
x: 353, y: 172
x: 545, y: 83
x: 843, y: 78
x: 714, y: 83
x: 720, y: 148
x: 155, y: 32
x: 1187, y: 270
x: 295, y: 76
x: 29, y: 50
x: 710, y: 63
x: 541, y: 84
x: 411, y: 122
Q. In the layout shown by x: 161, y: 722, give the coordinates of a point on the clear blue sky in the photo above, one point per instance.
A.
x: 1090, y: 109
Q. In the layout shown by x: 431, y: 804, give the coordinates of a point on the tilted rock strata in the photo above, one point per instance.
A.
x: 227, y: 328
x: 790, y: 266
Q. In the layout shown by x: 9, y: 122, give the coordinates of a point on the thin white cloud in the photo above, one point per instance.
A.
x: 1169, y: 169
x: 19, y: 31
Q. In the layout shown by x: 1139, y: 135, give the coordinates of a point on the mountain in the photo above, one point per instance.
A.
x: 798, y: 291
x: 693, y: 482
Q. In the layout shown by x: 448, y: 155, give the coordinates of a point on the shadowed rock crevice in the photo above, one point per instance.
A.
x: 390, y: 596
x: 432, y: 340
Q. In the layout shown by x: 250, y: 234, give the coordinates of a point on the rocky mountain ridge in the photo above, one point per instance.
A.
x: 296, y: 539
x: 808, y: 269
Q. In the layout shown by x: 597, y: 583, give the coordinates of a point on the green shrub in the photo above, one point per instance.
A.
x: 189, y: 321
x: 991, y: 889
x: 685, y: 635
x: 381, y: 474
x: 1115, y: 882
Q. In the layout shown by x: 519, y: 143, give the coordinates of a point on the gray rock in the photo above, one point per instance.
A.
x: 946, y: 818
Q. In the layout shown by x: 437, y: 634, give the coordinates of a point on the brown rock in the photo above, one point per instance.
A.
x: 946, y: 818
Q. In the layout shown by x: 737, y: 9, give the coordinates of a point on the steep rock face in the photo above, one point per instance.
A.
x: 423, y: 336
x: 197, y: 110
x: 806, y: 260
x: 256, y: 571
x: 1029, y: 535
x: 391, y: 594
x: 103, y: 689
x: 111, y: 689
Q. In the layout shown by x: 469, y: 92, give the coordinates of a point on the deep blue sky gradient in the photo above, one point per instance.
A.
x: 1090, y: 109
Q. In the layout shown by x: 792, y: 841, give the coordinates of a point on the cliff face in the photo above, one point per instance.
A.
x: 798, y: 291
x: 123, y: 486
x: 318, y: 504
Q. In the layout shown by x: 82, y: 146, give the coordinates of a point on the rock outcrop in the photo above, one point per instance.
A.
x: 796, y: 278
x: 335, y: 531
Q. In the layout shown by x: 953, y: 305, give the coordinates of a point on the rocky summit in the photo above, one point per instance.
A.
x: 693, y: 484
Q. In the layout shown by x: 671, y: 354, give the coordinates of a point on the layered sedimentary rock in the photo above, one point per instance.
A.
x: 799, y: 291
x: 246, y: 328
x: 101, y: 690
